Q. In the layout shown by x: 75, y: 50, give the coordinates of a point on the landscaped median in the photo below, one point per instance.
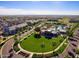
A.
x: 15, y: 47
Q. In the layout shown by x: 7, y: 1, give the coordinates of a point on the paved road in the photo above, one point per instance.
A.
x: 6, y: 48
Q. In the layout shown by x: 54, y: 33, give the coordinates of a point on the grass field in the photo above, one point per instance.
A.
x: 62, y: 47
x: 34, y: 45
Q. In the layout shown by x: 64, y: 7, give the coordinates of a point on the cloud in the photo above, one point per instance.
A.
x: 13, y: 11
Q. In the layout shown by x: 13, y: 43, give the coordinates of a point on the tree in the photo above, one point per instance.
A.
x: 53, y: 44
x: 15, y: 37
x: 43, y: 45
x: 55, y: 54
x: 37, y: 29
x: 18, y: 31
x: 64, y: 20
x: 37, y: 33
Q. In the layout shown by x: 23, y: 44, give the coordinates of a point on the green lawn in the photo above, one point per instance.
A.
x: 62, y: 48
x: 34, y: 45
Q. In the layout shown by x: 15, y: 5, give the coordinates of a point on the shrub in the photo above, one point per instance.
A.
x: 48, y: 55
x: 77, y: 51
x: 4, y: 38
x: 16, y: 48
x: 55, y: 54
x: 16, y: 43
x: 2, y: 44
x: 37, y: 56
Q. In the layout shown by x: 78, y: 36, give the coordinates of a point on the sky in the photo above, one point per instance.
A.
x: 39, y: 7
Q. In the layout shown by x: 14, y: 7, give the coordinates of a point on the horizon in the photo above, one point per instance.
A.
x: 39, y: 8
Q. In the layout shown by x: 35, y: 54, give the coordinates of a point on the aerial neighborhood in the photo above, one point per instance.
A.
x: 38, y: 37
